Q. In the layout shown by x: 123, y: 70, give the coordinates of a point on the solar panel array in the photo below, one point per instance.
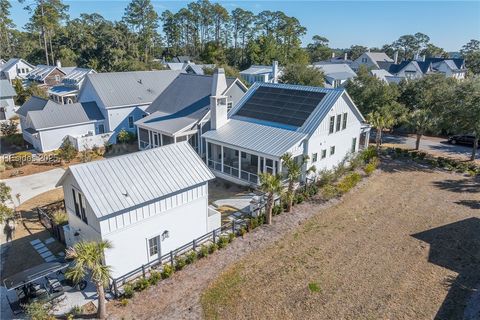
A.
x: 280, y: 105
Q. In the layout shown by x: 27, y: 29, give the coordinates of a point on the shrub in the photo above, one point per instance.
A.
x: 155, y: 276
x: 356, y: 161
x: 191, y: 257
x: 314, y: 287
x: 329, y: 192
x: 222, y: 242
x: 212, y: 248
x: 371, y: 166
x: 180, y: 263
x: 8, y: 128
x: 368, y: 154
x: 76, y: 310
x: 242, y: 232
x: 14, y: 139
x: 37, y: 311
x: 167, y: 271
x: 125, y: 136
x: 21, y: 158
x: 141, y: 284
x: 231, y: 236
x: 124, y: 302
x: 326, y: 177
x: 60, y: 217
x: 277, y: 210
x: 349, y: 181
x: 67, y: 151
x: 312, y: 190
x: 299, y: 198
x: 203, y: 252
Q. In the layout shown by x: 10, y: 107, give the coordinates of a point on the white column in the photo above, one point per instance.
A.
x: 138, y: 135
x: 239, y: 164
x: 160, y: 137
x: 280, y: 166
x: 258, y: 166
x: 206, y: 153
x: 221, y: 158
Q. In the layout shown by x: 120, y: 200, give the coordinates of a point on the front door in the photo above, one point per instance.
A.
x: 154, y: 248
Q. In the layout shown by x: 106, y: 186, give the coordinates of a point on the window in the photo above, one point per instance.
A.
x: 79, y: 203
x: 153, y: 246
x: 344, y: 124
x: 354, y: 144
x: 101, y: 128
x: 314, y: 157
x: 81, y: 200
x: 332, y: 150
x: 332, y: 124
x: 324, y: 153
x: 75, y: 202
x: 130, y: 122
x: 229, y: 106
x: 57, y: 78
x: 339, y: 122
x: 337, y: 83
x: 364, y: 60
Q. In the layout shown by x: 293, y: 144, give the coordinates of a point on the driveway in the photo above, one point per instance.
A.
x: 432, y: 144
x: 33, y: 185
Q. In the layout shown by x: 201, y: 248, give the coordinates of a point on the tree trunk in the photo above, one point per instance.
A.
x: 268, y: 214
x: 474, y: 149
x: 102, y: 308
x: 378, y: 138
x: 417, y: 142
x: 290, y: 196
x: 44, y: 35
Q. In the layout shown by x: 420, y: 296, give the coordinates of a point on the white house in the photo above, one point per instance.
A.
x: 7, y: 104
x: 67, y: 91
x: 371, y: 60
x: 336, y: 74
x: 182, y: 111
x: 258, y: 73
x: 146, y: 204
x: 15, y: 68
x: 123, y: 97
x: 46, y: 124
x: 273, y: 119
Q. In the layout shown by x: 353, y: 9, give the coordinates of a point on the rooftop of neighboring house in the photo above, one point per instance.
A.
x: 129, y: 88
x: 138, y: 178
x: 337, y: 71
x: 45, y: 113
x: 183, y: 103
x: 41, y: 72
x: 386, y: 76
x: 181, y: 59
x: 334, y: 60
x: 6, y: 89
x: 13, y: 62
x: 188, y: 67
x: 379, y: 56
x: 257, y: 69
x: 272, y: 118
x: 71, y: 81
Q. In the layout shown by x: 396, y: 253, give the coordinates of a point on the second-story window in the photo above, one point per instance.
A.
x: 339, y: 122
x: 332, y: 124
x: 332, y: 150
x: 130, y: 122
x: 344, y: 124
x: 229, y: 106
x: 314, y: 157
x: 81, y: 200
x: 76, y: 204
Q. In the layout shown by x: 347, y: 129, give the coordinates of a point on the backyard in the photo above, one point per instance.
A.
x: 404, y: 244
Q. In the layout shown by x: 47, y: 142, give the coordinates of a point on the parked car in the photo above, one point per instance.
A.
x: 462, y: 139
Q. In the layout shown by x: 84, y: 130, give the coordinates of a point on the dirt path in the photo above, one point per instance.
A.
x: 360, y: 241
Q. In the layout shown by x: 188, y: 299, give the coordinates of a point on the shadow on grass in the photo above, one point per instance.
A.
x: 467, y: 185
x: 455, y: 246
x: 472, y: 204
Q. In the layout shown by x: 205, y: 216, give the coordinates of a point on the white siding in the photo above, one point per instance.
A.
x: 52, y: 139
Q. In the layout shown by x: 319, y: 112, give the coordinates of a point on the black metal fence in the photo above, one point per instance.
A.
x: 55, y: 229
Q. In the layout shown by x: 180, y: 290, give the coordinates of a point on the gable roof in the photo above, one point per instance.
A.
x: 41, y: 72
x: 185, y: 101
x: 6, y: 89
x: 139, y: 178
x: 46, y: 114
x: 379, y: 56
x: 255, y: 69
x: 130, y: 88
x: 12, y: 62
x: 337, y: 71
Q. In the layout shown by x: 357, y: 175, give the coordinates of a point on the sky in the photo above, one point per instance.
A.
x: 450, y: 24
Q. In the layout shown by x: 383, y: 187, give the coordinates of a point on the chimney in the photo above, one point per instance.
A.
x: 333, y: 55
x: 345, y: 56
x: 395, y: 57
x: 275, y: 71
x: 59, y: 64
x: 218, y: 101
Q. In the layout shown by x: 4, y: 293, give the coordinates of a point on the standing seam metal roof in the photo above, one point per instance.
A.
x: 124, y: 182
x: 6, y: 89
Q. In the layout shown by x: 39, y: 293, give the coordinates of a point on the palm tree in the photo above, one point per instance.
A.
x: 271, y: 185
x: 381, y: 120
x: 294, y: 172
x: 421, y: 120
x: 88, y: 259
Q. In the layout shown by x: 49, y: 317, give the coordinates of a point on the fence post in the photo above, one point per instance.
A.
x: 143, y: 270
x: 171, y: 258
x: 194, y: 245
x: 214, y: 235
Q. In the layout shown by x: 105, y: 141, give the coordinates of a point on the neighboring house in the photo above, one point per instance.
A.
x: 189, y: 67
x: 46, y: 124
x: 256, y: 73
x: 452, y: 68
x: 410, y: 69
x: 182, y: 111
x: 46, y: 76
x: 146, y: 204
x: 181, y: 59
x: 335, y: 60
x: 273, y: 119
x: 15, y: 68
x: 336, y: 75
x: 67, y: 91
x: 385, y: 76
x: 7, y: 104
x: 123, y: 97
x: 371, y: 60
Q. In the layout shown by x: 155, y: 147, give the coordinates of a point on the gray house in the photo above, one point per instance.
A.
x: 182, y: 111
x: 7, y: 105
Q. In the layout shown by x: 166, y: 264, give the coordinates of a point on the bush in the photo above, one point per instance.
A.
x: 155, y: 276
x: 21, y: 158
x: 141, y: 284
x: 312, y: 190
x: 299, y: 198
x: 276, y: 210
x: 203, y: 252
x: 222, y: 242
x: 167, y: 271
x: 356, y: 161
x: 326, y: 177
x: 349, y: 181
x: 76, y: 310
x: 128, y: 291
x: 8, y: 128
x: 37, y: 311
x: 329, y: 192
x: 14, y: 139
x: 212, y: 248
x: 242, y: 232
x: 371, y: 166
x: 191, y: 257
x: 60, y: 217
x: 180, y: 263
x: 67, y: 151
x: 124, y: 302
x: 231, y: 236
x: 125, y: 136
x: 368, y: 154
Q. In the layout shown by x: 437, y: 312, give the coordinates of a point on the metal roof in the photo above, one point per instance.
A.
x: 125, y: 182
x: 336, y: 69
x: 46, y: 114
x: 41, y: 72
x: 12, y: 62
x: 257, y: 70
x: 129, y: 88
x: 262, y: 138
x: 6, y: 89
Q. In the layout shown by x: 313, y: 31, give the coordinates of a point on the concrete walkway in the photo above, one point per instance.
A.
x: 33, y: 185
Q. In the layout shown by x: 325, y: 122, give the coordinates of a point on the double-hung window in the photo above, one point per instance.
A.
x: 76, y: 204
x: 80, y: 205
x: 339, y: 122
x: 154, y: 247
x: 332, y: 124
x: 344, y: 124
x: 332, y: 150
x: 324, y: 153
x: 354, y: 144
x: 314, y: 157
